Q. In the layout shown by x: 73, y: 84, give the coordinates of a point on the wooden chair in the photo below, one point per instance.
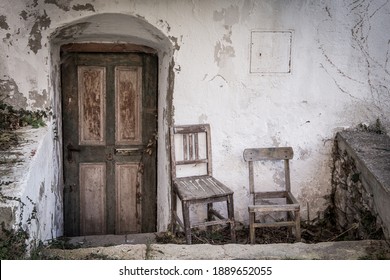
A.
x: 290, y: 206
x: 191, y: 147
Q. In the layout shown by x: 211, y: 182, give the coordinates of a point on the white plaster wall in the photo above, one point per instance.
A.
x: 40, y: 192
x: 34, y: 197
x: 340, y: 77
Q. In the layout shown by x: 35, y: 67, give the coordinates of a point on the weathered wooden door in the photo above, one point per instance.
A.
x: 109, y: 105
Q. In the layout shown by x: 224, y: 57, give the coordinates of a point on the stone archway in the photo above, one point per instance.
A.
x: 123, y: 30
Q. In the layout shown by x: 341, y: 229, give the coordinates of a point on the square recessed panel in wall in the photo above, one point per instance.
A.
x: 270, y: 52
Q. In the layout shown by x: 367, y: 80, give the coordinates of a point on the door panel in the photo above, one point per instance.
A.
x: 109, y: 130
x: 92, y: 198
x: 92, y: 105
x: 128, y: 91
x: 127, y: 192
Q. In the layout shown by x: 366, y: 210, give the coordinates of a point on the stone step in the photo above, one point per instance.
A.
x: 342, y: 250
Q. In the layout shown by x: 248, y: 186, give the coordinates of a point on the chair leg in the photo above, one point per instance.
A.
x: 186, y: 221
x: 173, y: 212
x: 297, y: 226
x: 252, y: 227
x: 230, y: 209
x: 209, y: 215
x: 291, y: 217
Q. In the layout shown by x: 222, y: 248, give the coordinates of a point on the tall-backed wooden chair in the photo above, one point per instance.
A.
x: 260, y: 201
x: 191, y: 149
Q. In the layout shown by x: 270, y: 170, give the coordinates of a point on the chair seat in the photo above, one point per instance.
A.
x: 200, y: 187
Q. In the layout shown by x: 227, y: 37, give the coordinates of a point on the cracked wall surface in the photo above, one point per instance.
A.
x: 339, y: 76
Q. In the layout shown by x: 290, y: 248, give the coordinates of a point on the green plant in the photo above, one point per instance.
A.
x: 13, y: 244
x: 12, y: 119
x: 14, y: 241
x: 62, y: 243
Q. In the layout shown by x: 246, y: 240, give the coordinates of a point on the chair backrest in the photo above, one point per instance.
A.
x: 261, y: 154
x: 189, y: 138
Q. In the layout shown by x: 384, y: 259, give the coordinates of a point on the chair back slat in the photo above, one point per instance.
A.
x: 196, y: 143
x: 191, y: 146
x: 190, y: 135
x: 185, y: 146
x: 277, y: 153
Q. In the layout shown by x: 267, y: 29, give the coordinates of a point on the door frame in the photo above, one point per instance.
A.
x: 130, y: 30
x: 117, y: 48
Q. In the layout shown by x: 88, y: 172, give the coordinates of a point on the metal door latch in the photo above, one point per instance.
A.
x: 127, y: 151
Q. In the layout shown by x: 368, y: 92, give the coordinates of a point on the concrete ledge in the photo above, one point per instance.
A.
x: 120, y: 252
x: 371, y: 155
x: 325, y: 251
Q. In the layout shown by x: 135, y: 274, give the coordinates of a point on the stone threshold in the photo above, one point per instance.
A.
x: 342, y: 250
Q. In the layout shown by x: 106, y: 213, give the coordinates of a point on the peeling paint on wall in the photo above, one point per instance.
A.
x: 41, y: 191
x: 222, y: 52
x: 86, y: 7
x: 247, y: 9
x: 62, y: 4
x: 9, y: 92
x: 229, y: 16
x: 7, y: 40
x: 39, y: 100
x: 67, y: 33
x: 174, y: 40
x: 34, y: 4
x: 164, y: 25
x: 171, y: 86
x: 23, y: 14
x: 41, y: 22
x: 3, y: 22
x: 224, y: 48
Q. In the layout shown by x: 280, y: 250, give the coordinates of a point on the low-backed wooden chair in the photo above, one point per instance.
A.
x: 191, y: 147
x: 260, y: 201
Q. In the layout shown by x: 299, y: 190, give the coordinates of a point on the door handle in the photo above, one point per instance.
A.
x: 70, y: 149
x: 127, y: 151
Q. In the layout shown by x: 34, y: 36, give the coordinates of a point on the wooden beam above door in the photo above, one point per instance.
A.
x: 107, y: 47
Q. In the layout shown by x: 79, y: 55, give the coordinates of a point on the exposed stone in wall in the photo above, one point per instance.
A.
x: 3, y: 22
x: 41, y: 22
x: 9, y: 93
x: 40, y: 100
x: 355, y: 203
x: 62, y: 4
x: 86, y: 7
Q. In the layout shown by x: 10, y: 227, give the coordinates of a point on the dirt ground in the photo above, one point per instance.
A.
x: 323, y: 231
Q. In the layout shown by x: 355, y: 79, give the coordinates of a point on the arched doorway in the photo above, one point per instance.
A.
x: 143, y: 55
